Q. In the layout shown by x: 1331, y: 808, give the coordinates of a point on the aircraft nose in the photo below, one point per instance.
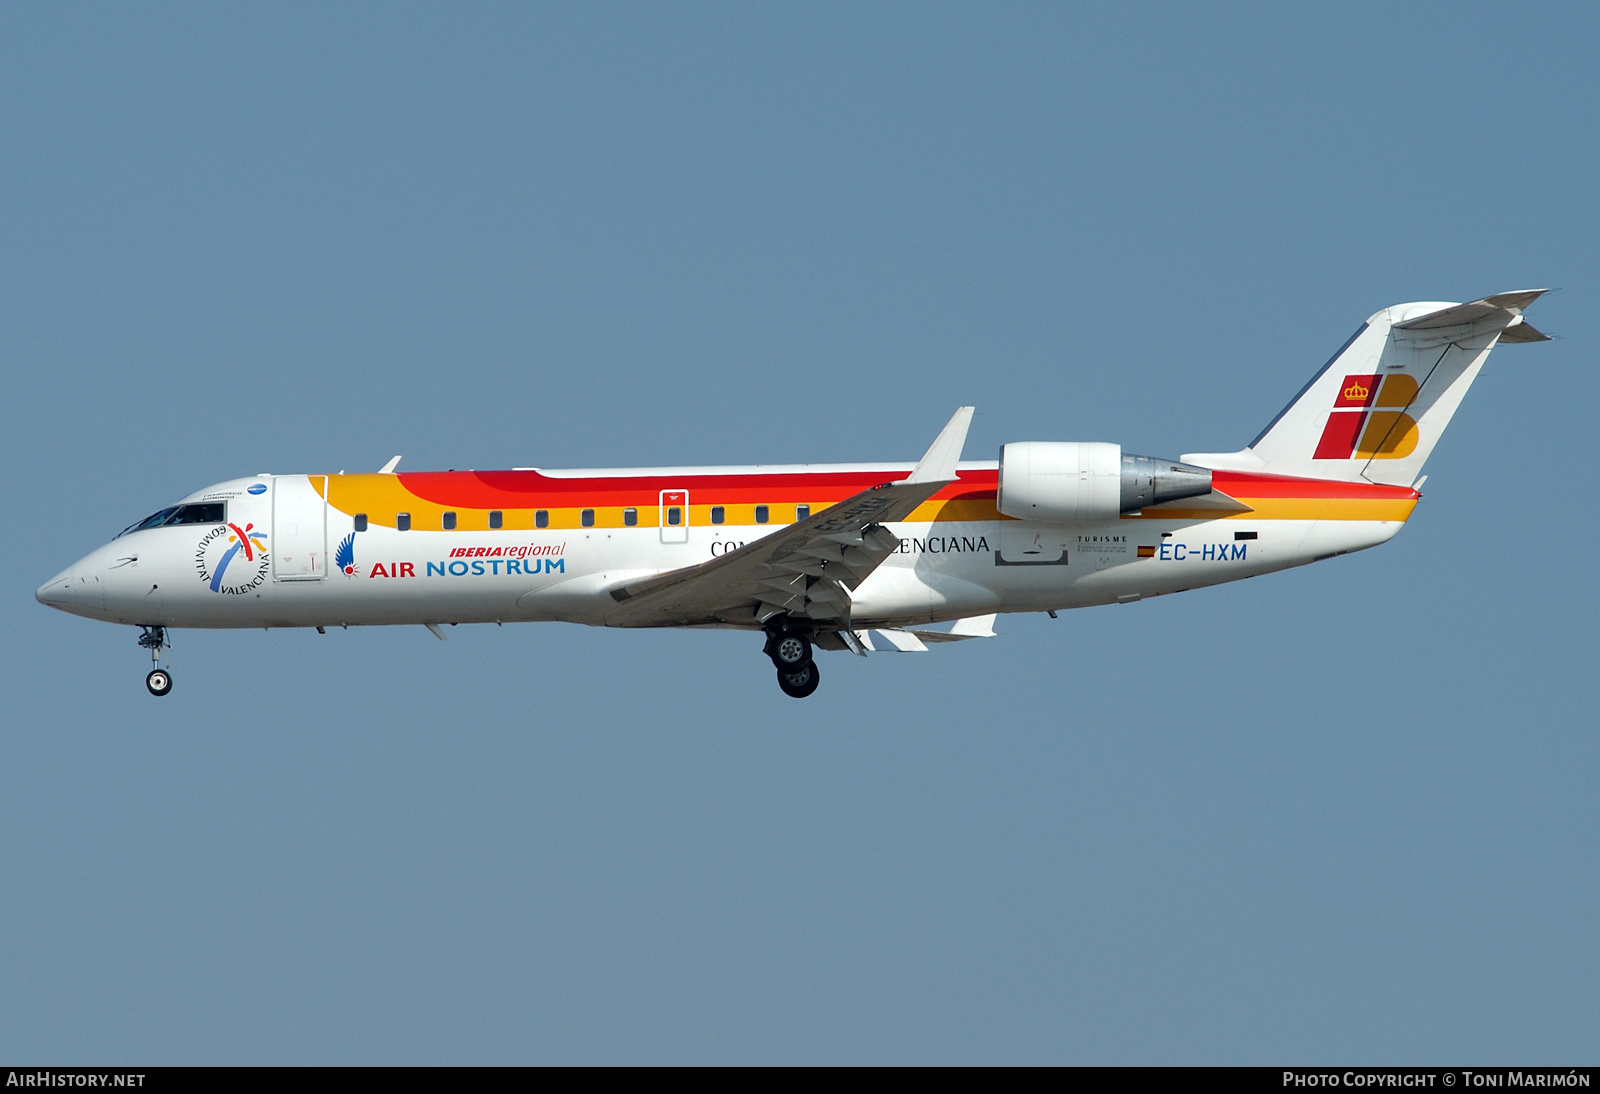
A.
x: 57, y: 592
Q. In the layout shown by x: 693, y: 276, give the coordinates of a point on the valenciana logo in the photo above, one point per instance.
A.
x: 232, y: 560
x: 1362, y: 424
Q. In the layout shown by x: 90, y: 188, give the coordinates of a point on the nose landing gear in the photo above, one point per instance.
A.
x: 790, y: 650
x: 159, y: 680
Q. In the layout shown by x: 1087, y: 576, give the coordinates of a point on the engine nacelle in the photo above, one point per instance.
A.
x: 1069, y: 482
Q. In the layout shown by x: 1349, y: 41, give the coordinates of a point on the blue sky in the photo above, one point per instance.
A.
x: 1343, y: 813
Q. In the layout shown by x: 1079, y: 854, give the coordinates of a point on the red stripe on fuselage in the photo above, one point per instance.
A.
x: 530, y: 489
x: 1249, y: 484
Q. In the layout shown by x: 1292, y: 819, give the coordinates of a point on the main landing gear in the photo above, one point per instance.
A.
x: 159, y: 680
x: 797, y: 685
x: 790, y: 650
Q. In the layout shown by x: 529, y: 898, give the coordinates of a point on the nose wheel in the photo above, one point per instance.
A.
x: 159, y: 680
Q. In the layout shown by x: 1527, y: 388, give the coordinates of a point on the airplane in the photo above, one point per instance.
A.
x: 842, y: 557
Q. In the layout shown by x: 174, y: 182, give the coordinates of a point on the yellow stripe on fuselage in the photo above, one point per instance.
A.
x: 1392, y: 509
x: 383, y: 497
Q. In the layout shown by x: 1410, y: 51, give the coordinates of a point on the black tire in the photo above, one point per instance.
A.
x: 159, y: 682
x: 798, y: 685
x: 789, y: 652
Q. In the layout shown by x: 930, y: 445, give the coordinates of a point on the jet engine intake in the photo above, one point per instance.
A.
x: 1068, y: 482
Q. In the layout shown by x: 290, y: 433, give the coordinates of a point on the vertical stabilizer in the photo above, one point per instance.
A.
x: 1377, y: 408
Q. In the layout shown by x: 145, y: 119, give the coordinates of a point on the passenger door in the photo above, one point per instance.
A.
x: 299, y: 546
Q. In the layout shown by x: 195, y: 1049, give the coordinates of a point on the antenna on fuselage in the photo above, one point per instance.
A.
x: 388, y: 468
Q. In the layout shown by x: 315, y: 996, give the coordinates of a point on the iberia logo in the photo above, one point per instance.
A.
x: 345, y: 556
x: 232, y: 560
x: 1361, y: 424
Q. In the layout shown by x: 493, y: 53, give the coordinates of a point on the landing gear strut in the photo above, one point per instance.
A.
x: 159, y: 680
x: 790, y: 650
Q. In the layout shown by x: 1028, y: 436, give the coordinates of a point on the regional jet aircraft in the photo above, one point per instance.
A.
x: 856, y: 557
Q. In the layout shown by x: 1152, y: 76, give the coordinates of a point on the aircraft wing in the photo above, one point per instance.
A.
x: 808, y: 569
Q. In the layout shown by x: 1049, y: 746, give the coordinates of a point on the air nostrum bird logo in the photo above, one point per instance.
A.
x: 345, y: 556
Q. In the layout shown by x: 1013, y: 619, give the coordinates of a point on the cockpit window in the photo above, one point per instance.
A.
x: 154, y: 520
x: 207, y: 513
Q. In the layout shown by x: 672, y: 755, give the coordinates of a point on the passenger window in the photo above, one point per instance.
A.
x: 586, y: 518
x: 449, y: 522
x: 361, y: 522
x: 717, y: 514
x: 761, y: 514
x: 674, y: 515
x: 402, y: 522
x: 801, y: 512
x: 630, y: 517
x: 541, y: 519
x: 496, y: 518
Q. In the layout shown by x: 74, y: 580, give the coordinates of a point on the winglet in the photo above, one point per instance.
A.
x: 938, y: 464
x: 388, y: 468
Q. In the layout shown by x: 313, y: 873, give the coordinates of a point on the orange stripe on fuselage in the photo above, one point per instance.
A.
x: 518, y: 495
x: 1284, y: 497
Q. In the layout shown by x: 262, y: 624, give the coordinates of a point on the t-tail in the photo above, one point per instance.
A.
x: 1377, y: 408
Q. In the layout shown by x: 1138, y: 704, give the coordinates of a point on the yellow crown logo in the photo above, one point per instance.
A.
x: 1356, y: 393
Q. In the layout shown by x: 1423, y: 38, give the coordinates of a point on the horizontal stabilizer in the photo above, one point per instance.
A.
x: 1458, y: 315
x: 1522, y: 331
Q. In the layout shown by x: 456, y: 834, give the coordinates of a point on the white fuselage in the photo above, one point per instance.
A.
x: 964, y: 560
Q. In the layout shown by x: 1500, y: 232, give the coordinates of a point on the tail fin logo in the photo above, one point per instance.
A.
x: 1355, y: 430
x: 1357, y: 391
